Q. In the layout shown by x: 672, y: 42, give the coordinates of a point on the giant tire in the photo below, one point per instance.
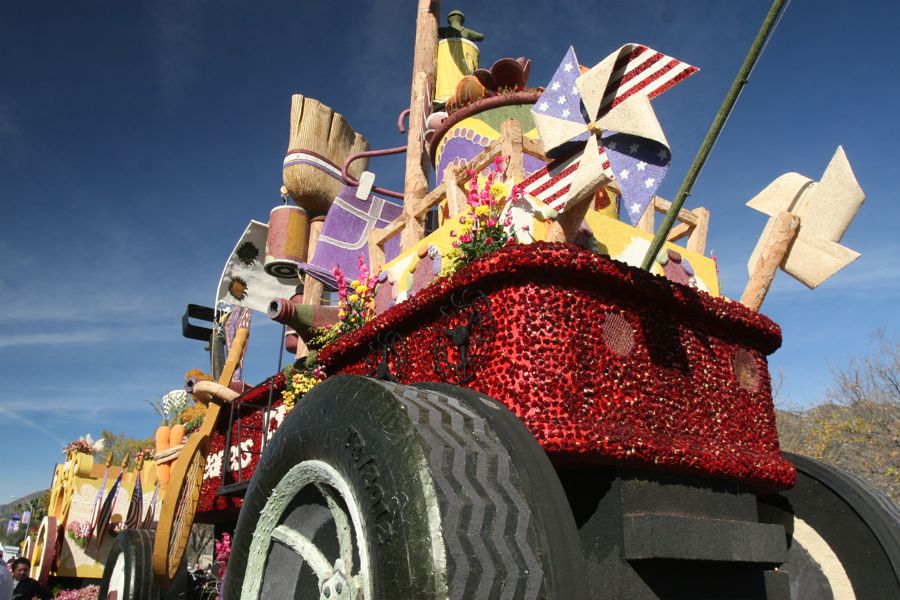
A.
x: 382, y: 490
x: 128, y: 572
x: 843, y: 535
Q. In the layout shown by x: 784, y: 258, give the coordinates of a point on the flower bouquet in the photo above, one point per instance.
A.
x: 79, y: 532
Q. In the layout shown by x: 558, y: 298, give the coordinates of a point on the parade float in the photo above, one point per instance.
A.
x: 91, y: 501
x: 515, y: 384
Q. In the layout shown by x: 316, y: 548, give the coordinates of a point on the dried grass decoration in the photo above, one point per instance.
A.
x: 320, y: 142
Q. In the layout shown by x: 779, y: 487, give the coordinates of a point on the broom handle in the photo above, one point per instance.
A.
x: 730, y: 99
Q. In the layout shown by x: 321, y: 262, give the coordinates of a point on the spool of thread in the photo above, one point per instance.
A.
x: 287, y: 240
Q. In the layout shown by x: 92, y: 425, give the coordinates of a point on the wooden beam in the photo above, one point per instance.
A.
x: 432, y: 199
x: 685, y: 216
x: 697, y: 241
x: 567, y: 223
x: 456, y: 197
x: 534, y: 147
x: 511, y: 146
x: 679, y: 231
x: 393, y: 228
x: 647, y: 224
x: 415, y: 182
x: 376, y: 251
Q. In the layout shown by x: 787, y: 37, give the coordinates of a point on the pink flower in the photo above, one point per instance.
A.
x: 363, y: 269
x: 489, y: 240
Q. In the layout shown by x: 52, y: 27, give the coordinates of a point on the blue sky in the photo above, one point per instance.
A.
x: 137, y: 140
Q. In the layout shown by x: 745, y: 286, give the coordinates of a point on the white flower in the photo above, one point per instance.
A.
x: 174, y: 402
x: 243, y: 456
x: 213, y: 465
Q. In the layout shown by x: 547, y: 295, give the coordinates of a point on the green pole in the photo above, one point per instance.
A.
x: 737, y: 85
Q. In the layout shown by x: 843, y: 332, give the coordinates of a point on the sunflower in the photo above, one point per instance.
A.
x: 237, y: 287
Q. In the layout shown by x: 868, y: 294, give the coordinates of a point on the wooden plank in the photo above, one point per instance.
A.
x: 534, y: 147
x: 567, y: 224
x: 482, y: 161
x: 511, y: 147
x: 477, y: 164
x: 456, y: 197
x: 376, y: 251
x: 697, y: 241
x: 679, y: 231
x: 647, y: 224
x: 685, y: 216
x: 384, y: 234
x: 432, y: 199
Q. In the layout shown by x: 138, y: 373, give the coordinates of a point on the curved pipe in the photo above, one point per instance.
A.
x: 401, y: 119
x: 204, y: 391
x: 345, y: 175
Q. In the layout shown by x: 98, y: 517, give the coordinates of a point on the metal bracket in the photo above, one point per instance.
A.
x: 471, y: 327
x: 388, y: 349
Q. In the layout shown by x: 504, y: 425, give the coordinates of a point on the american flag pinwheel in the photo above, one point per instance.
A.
x: 599, y: 127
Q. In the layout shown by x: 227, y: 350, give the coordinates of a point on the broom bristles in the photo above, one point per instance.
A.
x: 317, y: 128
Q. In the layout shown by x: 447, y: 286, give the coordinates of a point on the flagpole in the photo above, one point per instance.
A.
x: 727, y: 104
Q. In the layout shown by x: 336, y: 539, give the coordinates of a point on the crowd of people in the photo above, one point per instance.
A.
x: 15, y: 584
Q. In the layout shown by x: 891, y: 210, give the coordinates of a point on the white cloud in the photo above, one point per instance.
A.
x: 104, y: 335
x: 17, y: 416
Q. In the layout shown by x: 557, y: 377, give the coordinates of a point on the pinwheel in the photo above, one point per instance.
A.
x: 600, y: 127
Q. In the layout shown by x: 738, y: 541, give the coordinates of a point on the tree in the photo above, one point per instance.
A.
x: 200, y: 543
x: 858, y: 428
x: 121, y: 444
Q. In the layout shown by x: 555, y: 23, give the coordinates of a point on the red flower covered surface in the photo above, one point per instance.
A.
x: 244, y: 453
x: 604, y: 363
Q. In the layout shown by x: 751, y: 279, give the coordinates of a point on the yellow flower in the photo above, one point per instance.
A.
x: 361, y: 289
x: 354, y: 283
x: 498, y: 190
x: 482, y: 210
x: 353, y: 297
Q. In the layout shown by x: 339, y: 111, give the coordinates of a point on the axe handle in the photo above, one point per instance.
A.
x: 775, y: 249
